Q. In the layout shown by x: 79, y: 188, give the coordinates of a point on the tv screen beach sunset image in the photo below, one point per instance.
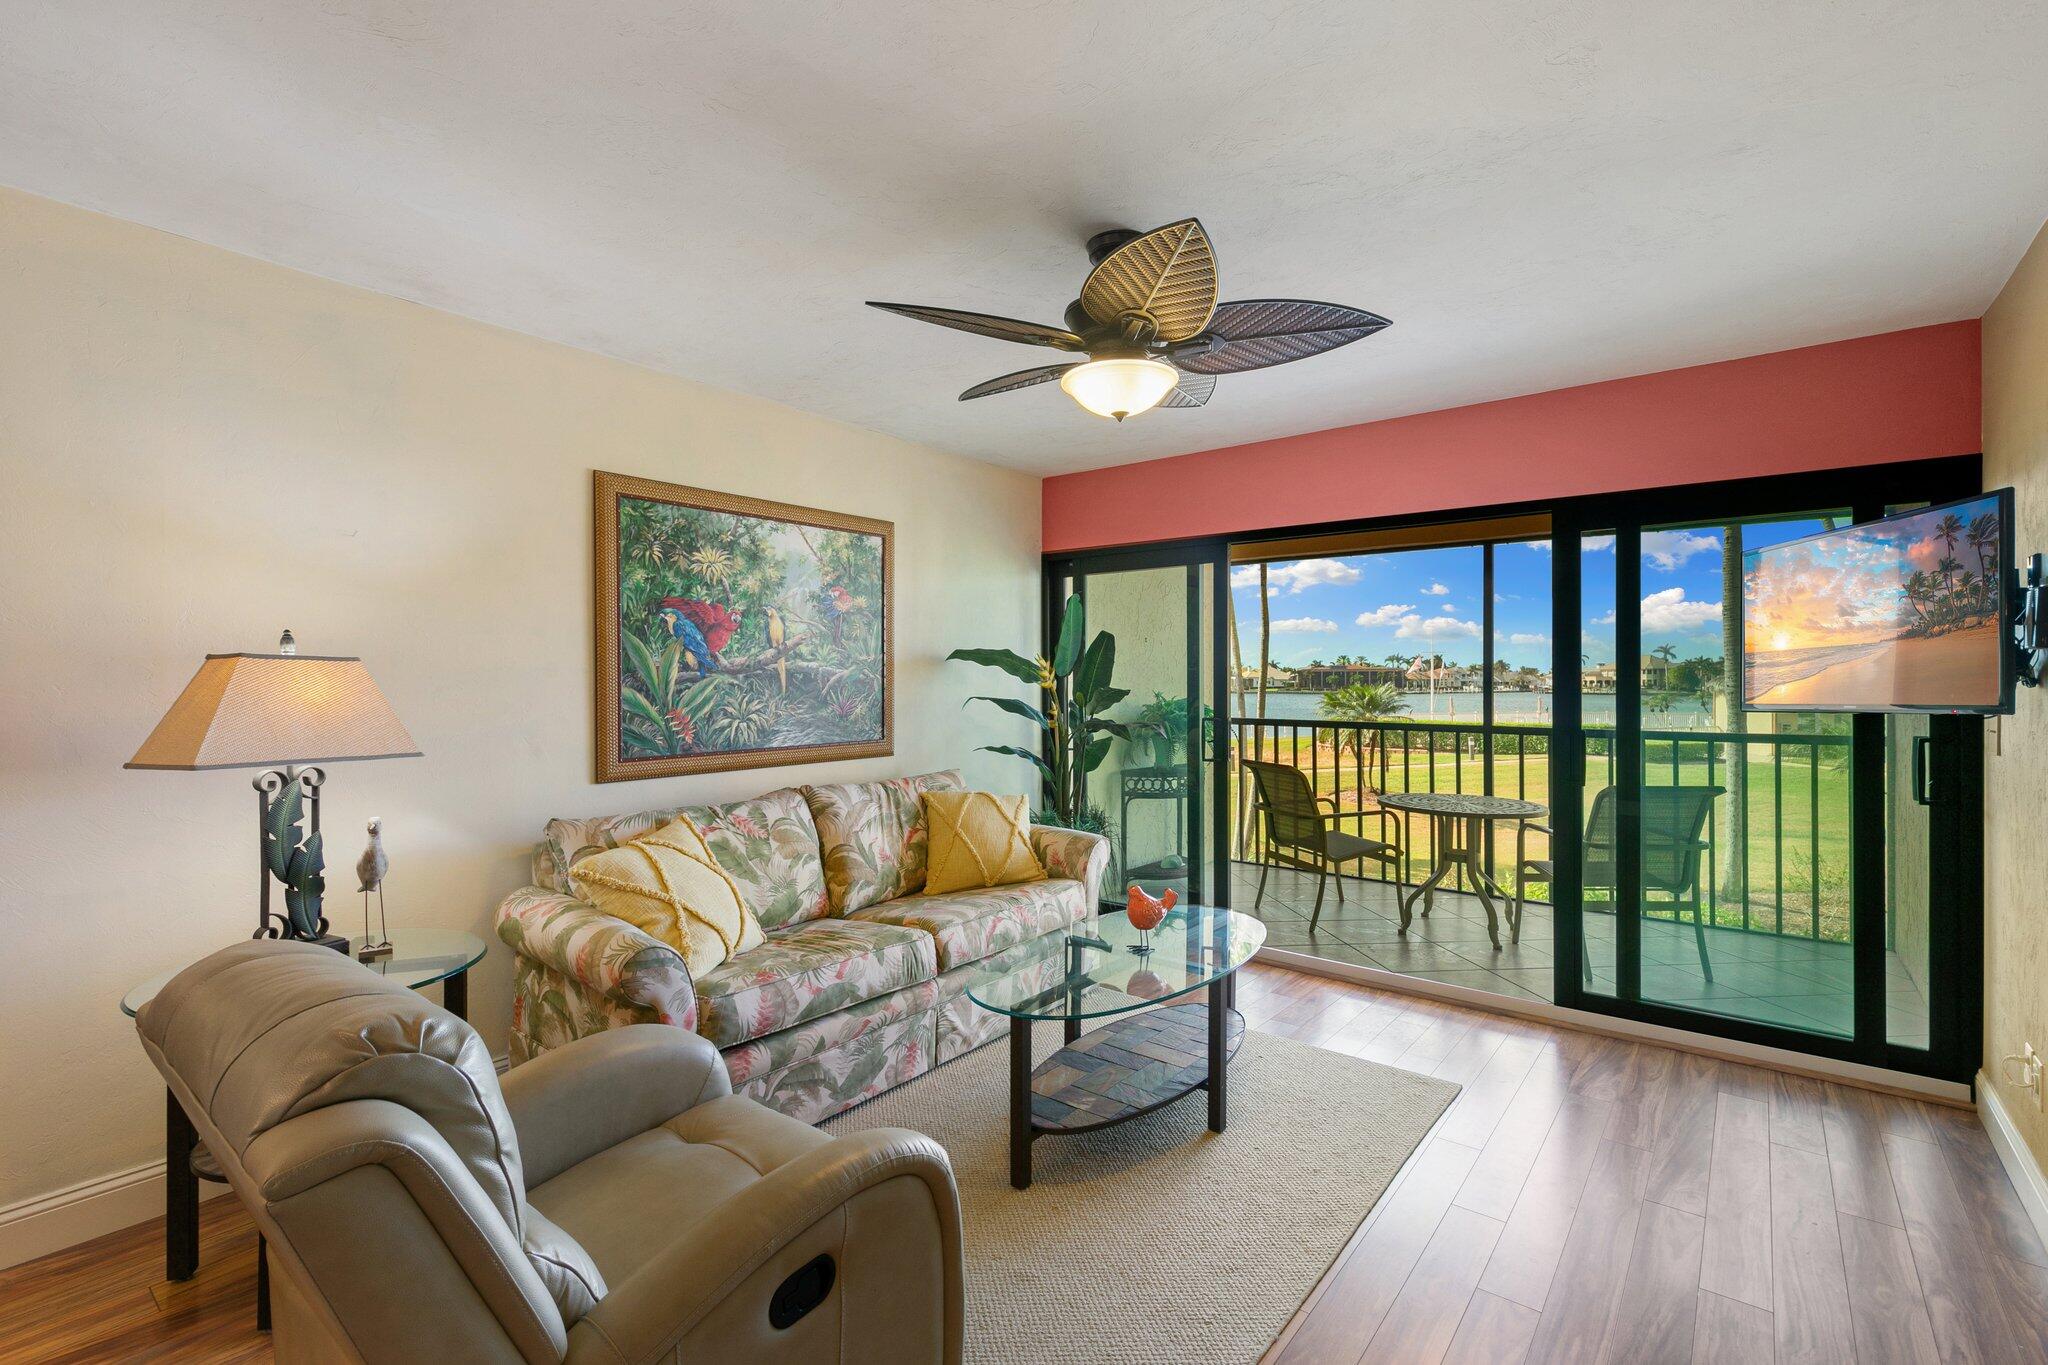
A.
x: 1899, y: 613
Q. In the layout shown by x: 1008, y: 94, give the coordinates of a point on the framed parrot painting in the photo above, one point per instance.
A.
x: 737, y: 633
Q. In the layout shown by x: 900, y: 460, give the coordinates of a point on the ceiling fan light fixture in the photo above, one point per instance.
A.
x: 1120, y: 387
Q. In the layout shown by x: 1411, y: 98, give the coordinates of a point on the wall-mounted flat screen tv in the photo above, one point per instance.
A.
x: 1904, y: 614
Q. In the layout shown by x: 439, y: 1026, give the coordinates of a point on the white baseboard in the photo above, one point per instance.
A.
x: 93, y: 1208
x: 2014, y: 1154
x: 1799, y: 1063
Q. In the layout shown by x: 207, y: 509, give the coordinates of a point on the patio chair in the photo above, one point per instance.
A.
x: 1298, y: 832
x: 1673, y: 821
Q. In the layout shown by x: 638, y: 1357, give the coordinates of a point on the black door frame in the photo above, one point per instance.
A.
x: 1208, y: 805
x: 1956, y: 766
x: 1956, y: 778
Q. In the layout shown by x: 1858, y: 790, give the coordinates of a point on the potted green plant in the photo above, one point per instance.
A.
x: 1076, y: 690
x: 1164, y: 722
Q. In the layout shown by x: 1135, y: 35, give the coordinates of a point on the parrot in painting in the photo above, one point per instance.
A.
x: 777, y: 633
x: 838, y: 604
x: 702, y: 628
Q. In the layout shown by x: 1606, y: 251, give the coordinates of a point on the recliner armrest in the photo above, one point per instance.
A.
x: 599, y: 951
x: 577, y: 1100
x: 646, y: 1315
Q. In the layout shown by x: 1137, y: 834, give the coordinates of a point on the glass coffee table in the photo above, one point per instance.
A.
x: 1138, y: 1062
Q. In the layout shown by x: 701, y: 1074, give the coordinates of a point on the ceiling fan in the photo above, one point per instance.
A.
x: 1148, y: 322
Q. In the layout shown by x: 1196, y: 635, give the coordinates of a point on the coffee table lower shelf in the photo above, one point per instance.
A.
x: 1116, y: 1073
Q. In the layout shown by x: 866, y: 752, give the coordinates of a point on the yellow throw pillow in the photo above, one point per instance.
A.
x: 667, y: 883
x: 978, y: 840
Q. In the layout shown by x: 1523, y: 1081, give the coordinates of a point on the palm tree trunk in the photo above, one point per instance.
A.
x: 1237, y: 709
x: 1265, y: 638
x: 1733, y: 854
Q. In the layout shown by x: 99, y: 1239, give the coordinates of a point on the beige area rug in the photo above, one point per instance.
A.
x: 1157, y: 1240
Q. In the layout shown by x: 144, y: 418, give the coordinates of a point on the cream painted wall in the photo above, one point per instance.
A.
x: 198, y: 449
x: 2016, y: 773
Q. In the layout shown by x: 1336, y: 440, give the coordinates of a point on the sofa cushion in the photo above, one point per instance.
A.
x: 767, y: 844
x: 770, y: 846
x: 667, y: 884
x: 873, y: 837
x: 971, y: 925
x: 804, y: 970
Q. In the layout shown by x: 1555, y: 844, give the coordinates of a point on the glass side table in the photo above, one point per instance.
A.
x: 419, y: 957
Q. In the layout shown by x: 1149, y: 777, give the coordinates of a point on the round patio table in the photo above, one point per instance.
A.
x: 1458, y: 824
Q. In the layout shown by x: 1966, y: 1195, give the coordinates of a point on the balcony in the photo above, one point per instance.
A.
x: 1773, y: 877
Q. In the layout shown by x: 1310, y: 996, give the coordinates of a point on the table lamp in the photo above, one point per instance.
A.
x: 286, y: 712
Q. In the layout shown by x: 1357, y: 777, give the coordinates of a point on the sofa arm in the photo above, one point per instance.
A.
x: 600, y: 952
x: 1075, y: 855
x: 592, y: 1094
x: 881, y: 1203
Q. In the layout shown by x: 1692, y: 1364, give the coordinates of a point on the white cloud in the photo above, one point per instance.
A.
x: 1605, y: 618
x: 1669, y: 610
x: 1295, y: 576
x: 1437, y: 590
x: 1447, y: 607
x: 1306, y: 624
x: 1434, y: 628
x: 1669, y: 549
x: 1585, y: 543
x: 1389, y: 615
x: 1529, y: 638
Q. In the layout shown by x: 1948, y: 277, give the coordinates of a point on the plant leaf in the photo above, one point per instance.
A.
x: 698, y: 699
x: 284, y: 813
x: 646, y: 711
x: 1015, y: 708
x: 1043, y: 767
x: 1073, y: 628
x: 1102, y: 725
x: 642, y: 658
x: 1092, y: 674
x: 1011, y: 662
x: 1106, y: 698
x: 1098, y: 749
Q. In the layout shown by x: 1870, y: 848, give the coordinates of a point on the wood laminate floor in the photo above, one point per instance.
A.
x: 1586, y: 1199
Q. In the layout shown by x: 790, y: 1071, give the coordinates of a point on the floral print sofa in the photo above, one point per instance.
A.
x: 861, y: 983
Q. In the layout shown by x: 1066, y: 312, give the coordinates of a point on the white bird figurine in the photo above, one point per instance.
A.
x: 370, y: 870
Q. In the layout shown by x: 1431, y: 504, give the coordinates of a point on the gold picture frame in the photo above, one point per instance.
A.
x: 737, y: 632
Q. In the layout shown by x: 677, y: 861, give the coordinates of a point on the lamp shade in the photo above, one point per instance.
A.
x: 267, y: 710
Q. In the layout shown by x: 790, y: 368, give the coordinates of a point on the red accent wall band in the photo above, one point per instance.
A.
x: 1900, y: 396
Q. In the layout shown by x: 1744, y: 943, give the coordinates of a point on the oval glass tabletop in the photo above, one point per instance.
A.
x: 1109, y: 967
x: 419, y: 957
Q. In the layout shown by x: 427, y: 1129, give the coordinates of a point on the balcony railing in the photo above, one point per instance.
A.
x: 1777, y: 858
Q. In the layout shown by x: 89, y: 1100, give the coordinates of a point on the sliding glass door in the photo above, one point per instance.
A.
x: 1783, y: 877
x: 1159, y: 791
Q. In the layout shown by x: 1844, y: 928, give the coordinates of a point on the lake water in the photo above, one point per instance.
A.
x: 1527, y: 708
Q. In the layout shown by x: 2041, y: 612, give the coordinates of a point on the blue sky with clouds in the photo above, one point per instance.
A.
x: 1412, y: 602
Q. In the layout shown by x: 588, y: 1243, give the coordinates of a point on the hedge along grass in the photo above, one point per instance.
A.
x: 1336, y: 775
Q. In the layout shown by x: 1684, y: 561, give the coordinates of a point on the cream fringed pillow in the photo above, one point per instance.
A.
x: 978, y: 840
x: 667, y: 883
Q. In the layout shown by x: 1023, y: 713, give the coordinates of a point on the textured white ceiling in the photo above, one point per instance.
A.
x: 1538, y: 194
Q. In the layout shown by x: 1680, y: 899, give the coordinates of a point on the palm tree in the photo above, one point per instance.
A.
x: 1668, y: 653
x: 1983, y: 539
x: 1919, y: 591
x: 1950, y: 608
x: 1367, y: 703
x: 1948, y: 528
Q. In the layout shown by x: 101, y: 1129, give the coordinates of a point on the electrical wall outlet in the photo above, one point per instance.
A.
x: 2023, y: 1069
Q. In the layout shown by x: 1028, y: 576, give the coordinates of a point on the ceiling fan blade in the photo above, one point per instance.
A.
x: 1192, y: 391
x: 987, y: 325
x: 1169, y: 274
x: 1255, y: 333
x: 1022, y: 379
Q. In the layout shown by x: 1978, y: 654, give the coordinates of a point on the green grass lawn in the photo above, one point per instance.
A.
x: 1806, y: 792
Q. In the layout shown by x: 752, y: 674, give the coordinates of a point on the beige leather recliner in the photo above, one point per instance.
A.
x: 610, y: 1201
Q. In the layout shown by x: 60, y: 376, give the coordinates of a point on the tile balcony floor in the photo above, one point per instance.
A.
x: 1794, y: 982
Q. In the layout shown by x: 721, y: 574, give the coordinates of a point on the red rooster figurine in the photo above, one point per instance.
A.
x: 1145, y: 912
